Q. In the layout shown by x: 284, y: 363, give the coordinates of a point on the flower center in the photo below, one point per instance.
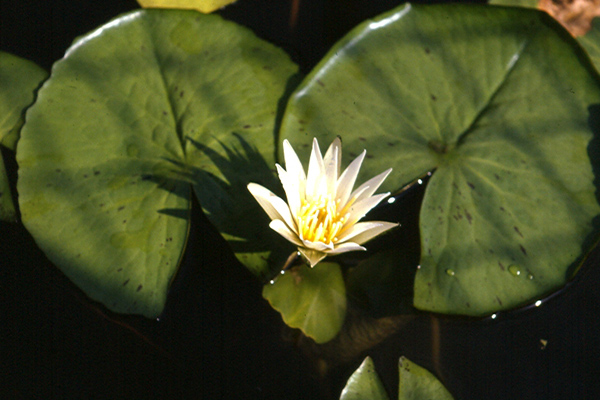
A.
x: 319, y: 220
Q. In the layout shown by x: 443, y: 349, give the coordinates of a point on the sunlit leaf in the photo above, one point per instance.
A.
x: 416, y: 383
x: 515, y: 3
x: 135, y: 112
x: 18, y: 80
x: 205, y: 6
x: 591, y: 42
x: 364, y: 384
x: 504, y: 113
x: 311, y: 299
x: 579, y: 17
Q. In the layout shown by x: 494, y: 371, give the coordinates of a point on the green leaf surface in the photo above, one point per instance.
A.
x: 310, y: 299
x: 504, y: 113
x: 135, y: 112
x: 19, y: 79
x: 416, y: 383
x: 364, y: 384
x: 591, y: 42
x: 516, y: 3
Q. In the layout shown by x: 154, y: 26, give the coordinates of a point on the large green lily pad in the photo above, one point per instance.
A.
x: 310, y: 299
x: 19, y: 79
x: 503, y: 106
x: 135, y: 112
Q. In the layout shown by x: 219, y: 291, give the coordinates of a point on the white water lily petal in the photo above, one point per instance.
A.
x: 364, y: 231
x: 292, y: 190
x: 346, y: 247
x: 348, y: 178
x: 280, y: 227
x: 273, y: 205
x: 359, y: 209
x: 332, y: 162
x: 322, y: 211
x: 316, y: 170
x: 318, y: 246
x: 293, y: 166
x: 262, y: 196
x: 372, y: 185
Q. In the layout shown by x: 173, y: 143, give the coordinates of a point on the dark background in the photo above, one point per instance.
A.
x: 218, y: 339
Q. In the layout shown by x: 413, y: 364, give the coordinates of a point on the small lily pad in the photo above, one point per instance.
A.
x: 310, y: 299
x: 138, y: 110
x: 504, y: 113
x: 416, y: 383
x: 19, y: 79
x: 364, y: 384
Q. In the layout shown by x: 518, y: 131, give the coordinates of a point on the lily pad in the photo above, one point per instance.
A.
x: 310, y: 299
x: 515, y: 3
x: 578, y: 17
x: 416, y: 383
x: 504, y: 113
x: 205, y: 6
x: 19, y: 79
x: 120, y: 131
x: 591, y: 42
x: 364, y: 384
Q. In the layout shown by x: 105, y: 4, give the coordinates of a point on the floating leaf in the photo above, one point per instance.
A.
x: 516, y: 3
x: 311, y: 299
x: 504, y: 113
x: 205, y: 6
x: 416, y: 383
x: 135, y: 112
x: 591, y: 42
x: 18, y: 80
x: 579, y: 17
x: 364, y: 384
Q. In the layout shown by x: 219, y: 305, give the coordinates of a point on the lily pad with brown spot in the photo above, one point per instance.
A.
x: 137, y: 112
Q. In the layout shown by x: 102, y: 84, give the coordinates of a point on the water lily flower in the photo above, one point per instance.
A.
x: 322, y: 212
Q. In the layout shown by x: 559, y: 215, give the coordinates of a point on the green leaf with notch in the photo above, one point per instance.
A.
x: 138, y: 110
x: 310, y: 299
x: 505, y: 114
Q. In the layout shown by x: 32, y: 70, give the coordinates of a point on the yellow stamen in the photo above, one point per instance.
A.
x: 319, y: 220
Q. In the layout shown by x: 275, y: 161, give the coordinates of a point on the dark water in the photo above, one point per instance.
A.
x: 218, y: 339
